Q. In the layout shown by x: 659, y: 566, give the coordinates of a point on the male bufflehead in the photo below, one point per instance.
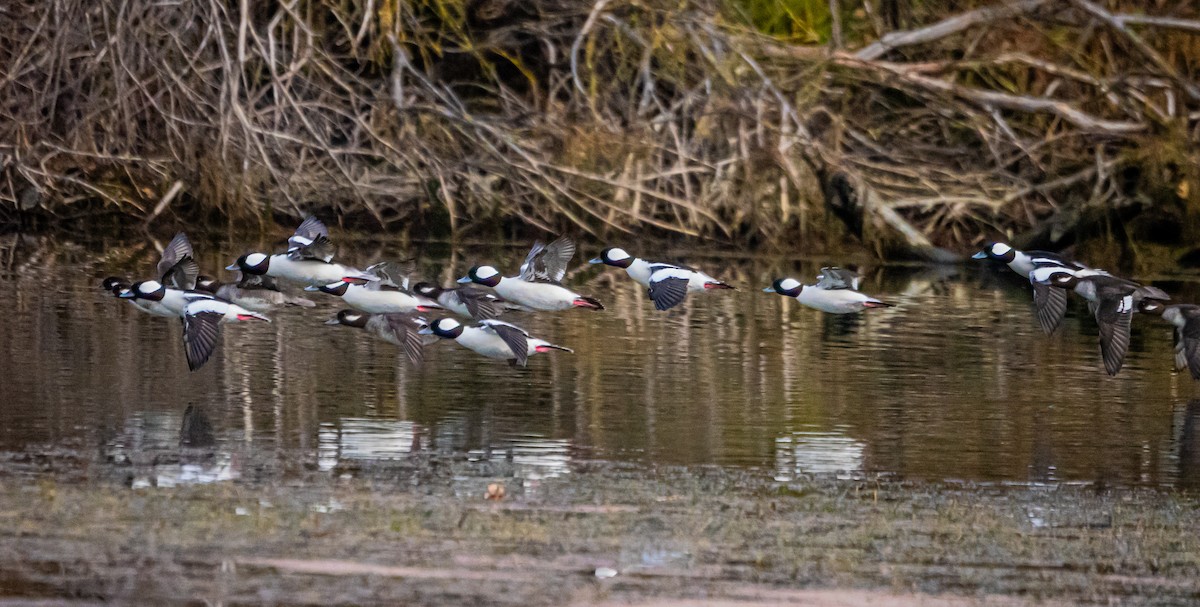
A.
x: 537, y: 287
x: 493, y: 339
x: 177, y: 269
x: 1023, y: 262
x: 668, y: 284
x: 202, y: 320
x: 834, y: 292
x: 308, y: 261
x: 1050, y: 304
x: 1113, y: 301
x: 401, y: 330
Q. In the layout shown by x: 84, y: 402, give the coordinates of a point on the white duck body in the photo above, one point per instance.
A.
x: 309, y: 272
x: 487, y: 343
x: 836, y: 301
x: 382, y: 301
x: 537, y: 295
x: 697, y: 280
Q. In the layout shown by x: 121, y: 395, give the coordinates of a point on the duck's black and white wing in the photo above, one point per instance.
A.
x: 394, y: 274
x: 201, y: 327
x: 838, y: 278
x: 668, y: 287
x: 311, y: 241
x: 516, y: 338
x: 405, y: 330
x: 177, y: 267
x: 1113, y: 314
x: 175, y: 251
x: 548, y: 263
x: 480, y: 304
x: 1050, y: 306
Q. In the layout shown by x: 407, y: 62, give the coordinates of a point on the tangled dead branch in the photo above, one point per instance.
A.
x: 615, y: 116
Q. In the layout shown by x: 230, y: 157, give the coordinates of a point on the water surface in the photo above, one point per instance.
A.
x: 954, y: 383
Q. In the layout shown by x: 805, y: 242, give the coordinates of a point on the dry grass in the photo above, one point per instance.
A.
x: 605, y: 117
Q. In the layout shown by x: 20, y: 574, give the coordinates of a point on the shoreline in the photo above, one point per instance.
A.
x: 422, y: 531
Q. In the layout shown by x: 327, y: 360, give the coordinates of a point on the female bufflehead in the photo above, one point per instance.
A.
x: 1186, y: 319
x: 1113, y: 301
x: 308, y: 261
x: 668, y: 283
x: 537, y: 287
x: 257, y: 293
x: 202, y: 320
x: 493, y: 339
x: 401, y: 330
x: 464, y: 301
x: 834, y: 292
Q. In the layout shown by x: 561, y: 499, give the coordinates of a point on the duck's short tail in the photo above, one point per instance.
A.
x: 719, y: 285
x: 549, y: 347
x: 875, y: 303
x: 588, y: 302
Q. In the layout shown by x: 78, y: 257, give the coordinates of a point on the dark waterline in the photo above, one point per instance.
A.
x: 954, y: 383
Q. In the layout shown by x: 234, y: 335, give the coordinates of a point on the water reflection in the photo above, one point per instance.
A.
x: 955, y: 382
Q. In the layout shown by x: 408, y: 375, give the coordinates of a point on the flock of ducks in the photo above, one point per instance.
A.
x: 386, y: 301
x: 1112, y: 300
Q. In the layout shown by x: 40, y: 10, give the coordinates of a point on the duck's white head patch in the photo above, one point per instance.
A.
x: 148, y: 286
x: 255, y: 259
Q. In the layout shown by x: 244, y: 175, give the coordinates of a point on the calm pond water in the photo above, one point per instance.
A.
x: 954, y: 383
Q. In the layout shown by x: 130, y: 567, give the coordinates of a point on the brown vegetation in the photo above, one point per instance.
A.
x: 708, y: 118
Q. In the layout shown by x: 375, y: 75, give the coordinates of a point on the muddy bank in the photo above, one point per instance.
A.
x: 422, y: 531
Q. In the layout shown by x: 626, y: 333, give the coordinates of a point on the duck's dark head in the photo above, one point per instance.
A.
x: 429, y: 290
x: 614, y: 256
x: 115, y: 285
x: 788, y: 287
x: 998, y: 251
x: 447, y: 328
x: 208, y: 284
x: 252, y: 263
x: 483, y: 275
x: 150, y: 290
x: 349, y: 318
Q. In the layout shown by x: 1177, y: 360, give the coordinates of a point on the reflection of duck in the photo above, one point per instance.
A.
x: 196, y: 430
x: 1188, y: 443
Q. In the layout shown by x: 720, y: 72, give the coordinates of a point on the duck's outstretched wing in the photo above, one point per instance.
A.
x: 516, y: 338
x: 1050, y: 306
x: 548, y: 263
x: 405, y: 328
x: 200, y: 331
x: 175, y: 251
x: 311, y: 241
x: 838, y: 278
x: 668, y: 287
x: 1113, y: 314
x: 394, y: 273
x: 480, y: 304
